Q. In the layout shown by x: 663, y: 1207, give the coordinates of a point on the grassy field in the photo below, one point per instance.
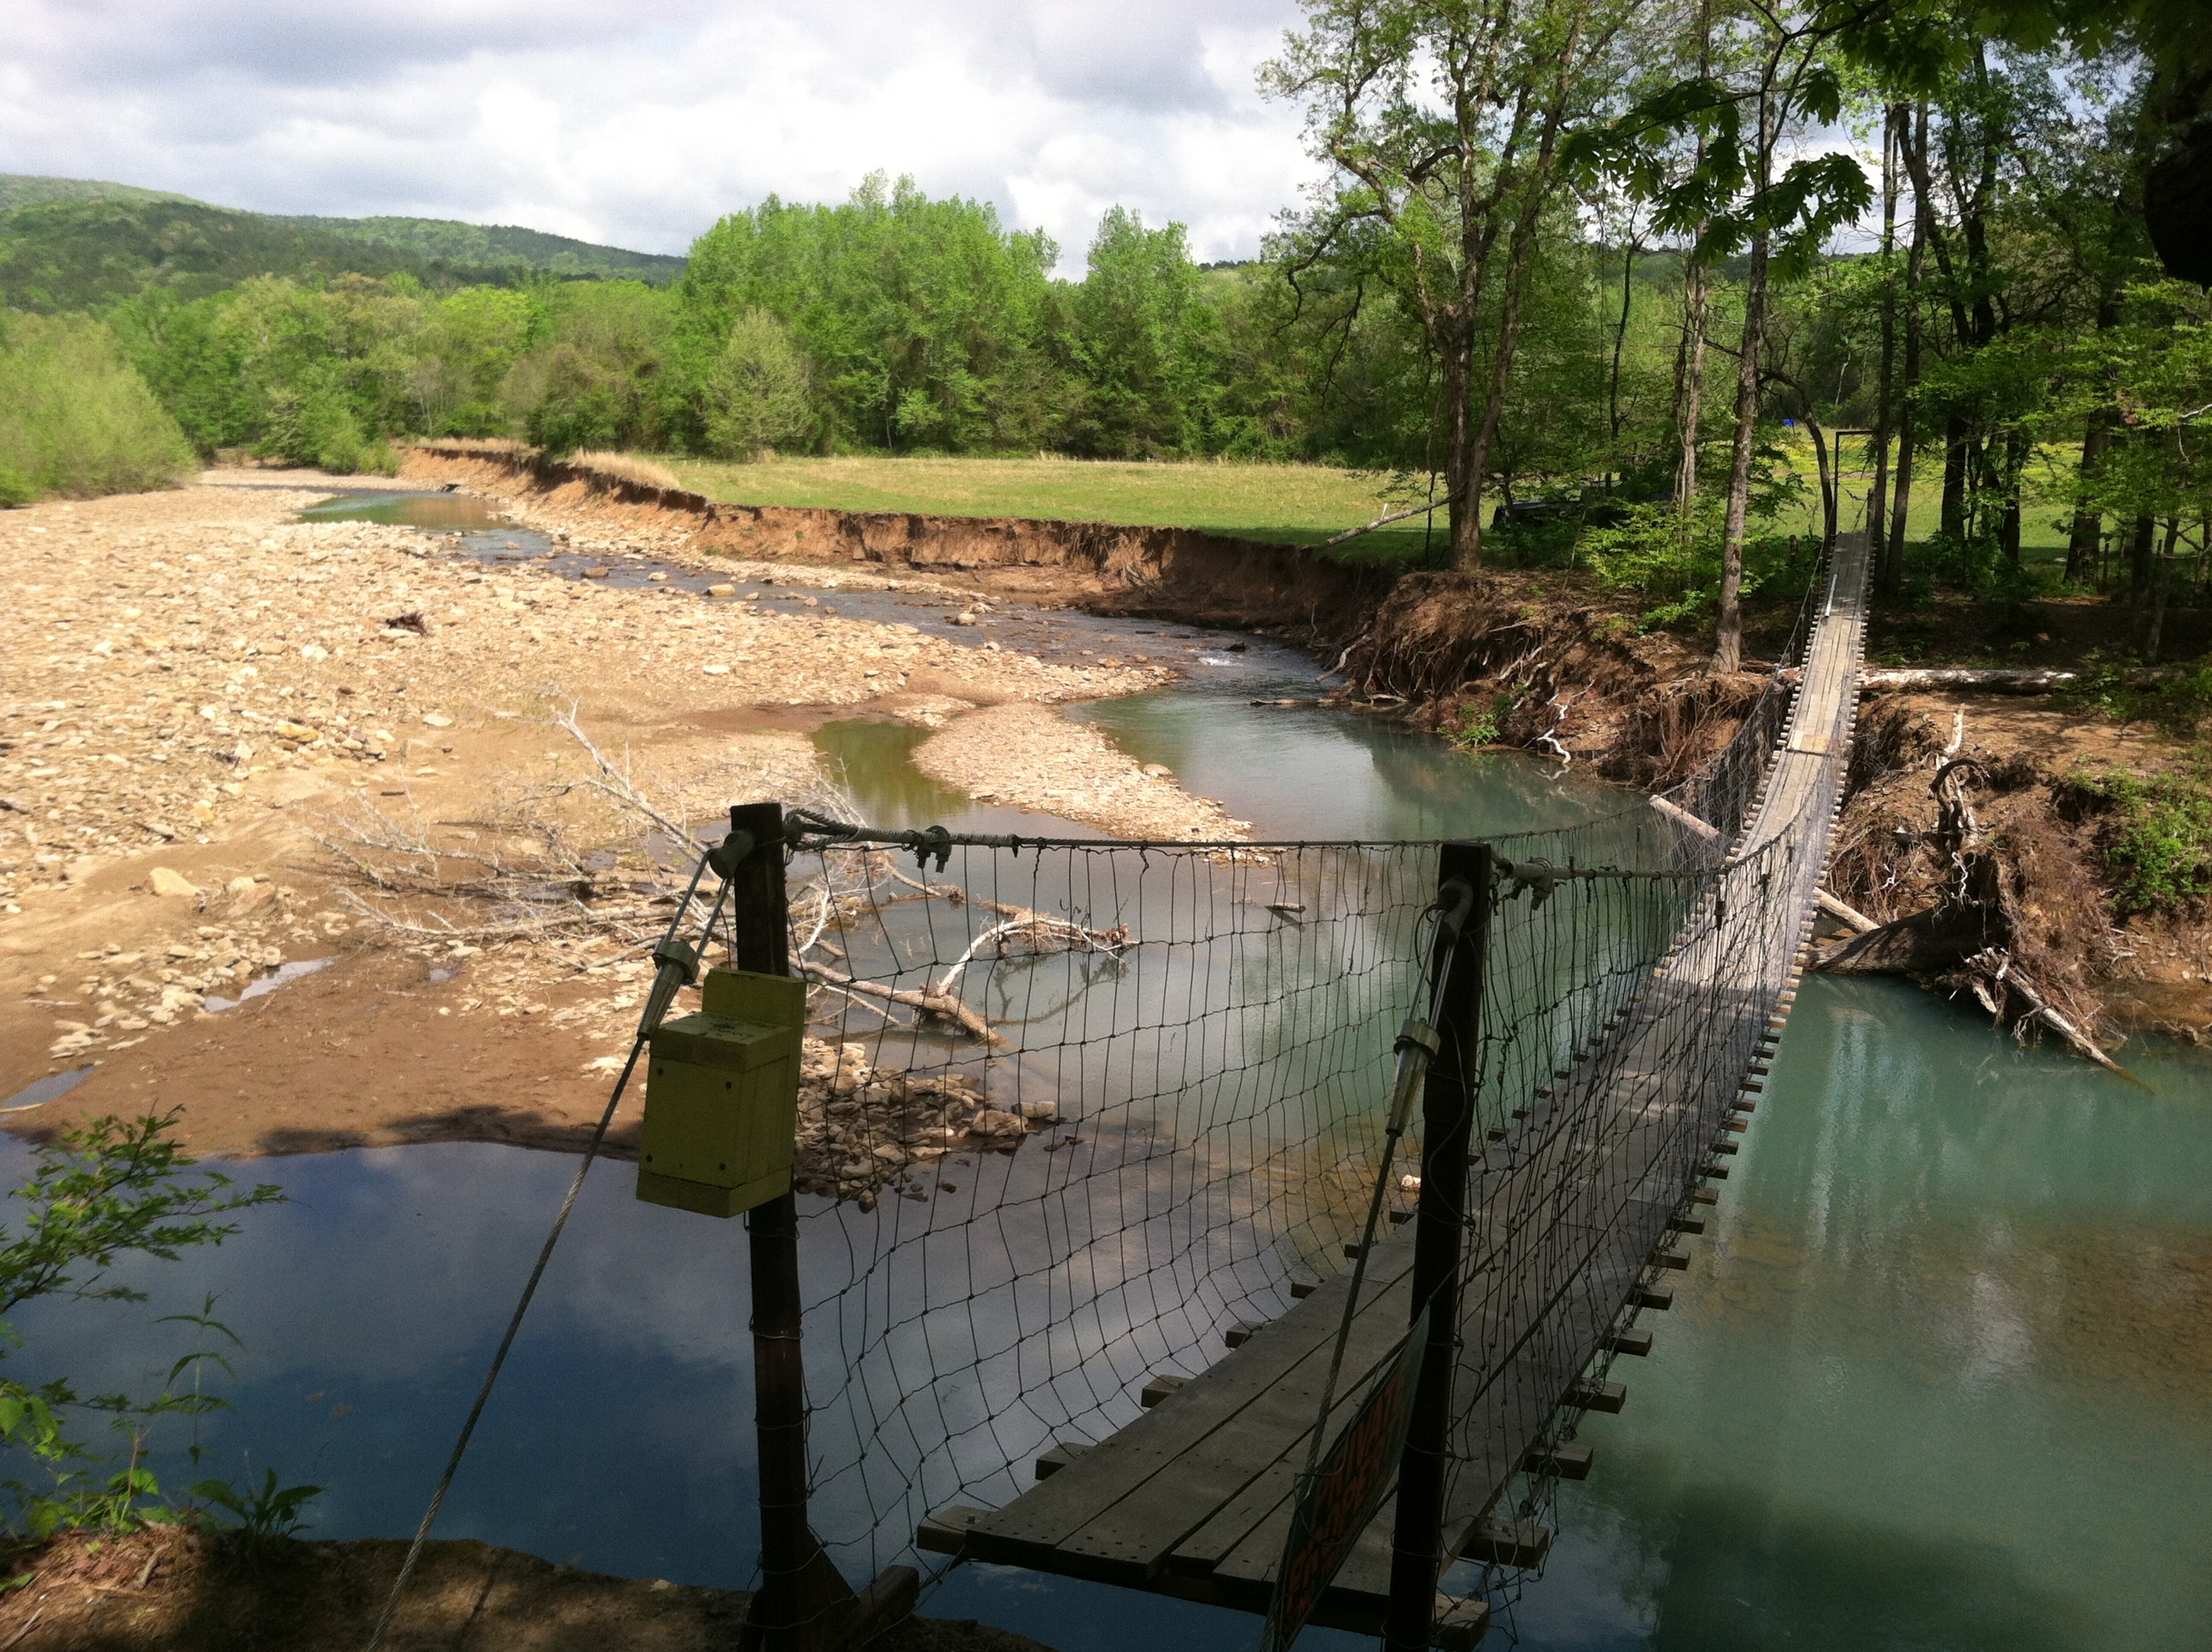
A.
x: 1283, y: 504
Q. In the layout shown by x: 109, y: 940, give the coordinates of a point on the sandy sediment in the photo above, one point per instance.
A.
x: 1034, y: 759
x: 198, y: 694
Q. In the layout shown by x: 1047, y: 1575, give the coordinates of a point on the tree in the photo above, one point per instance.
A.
x: 1141, y: 338
x: 758, y: 393
x: 1777, y: 77
x: 1443, y: 125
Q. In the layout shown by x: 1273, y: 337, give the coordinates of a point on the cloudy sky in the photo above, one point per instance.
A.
x: 639, y: 124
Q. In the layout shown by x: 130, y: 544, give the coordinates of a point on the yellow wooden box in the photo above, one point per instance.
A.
x: 721, y: 1096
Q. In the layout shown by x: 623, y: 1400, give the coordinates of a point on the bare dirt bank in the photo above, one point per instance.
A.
x: 181, y: 1591
x: 1202, y: 578
x: 2026, y: 768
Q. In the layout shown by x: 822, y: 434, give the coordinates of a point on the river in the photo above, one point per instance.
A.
x: 1939, y: 1376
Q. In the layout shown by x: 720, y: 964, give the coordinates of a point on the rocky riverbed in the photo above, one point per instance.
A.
x: 208, y: 708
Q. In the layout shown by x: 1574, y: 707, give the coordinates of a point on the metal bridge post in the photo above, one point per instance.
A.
x: 804, y: 1602
x: 1448, y: 1101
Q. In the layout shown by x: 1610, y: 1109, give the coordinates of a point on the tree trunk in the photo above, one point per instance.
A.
x: 1908, y: 422
x: 1828, y: 483
x: 1727, y: 653
x: 1620, y: 342
x: 1878, y: 494
x: 1954, y: 476
x: 2140, y: 555
x: 1466, y: 510
x: 1509, y: 335
x: 2015, y: 461
x: 1690, y: 390
x: 2162, y: 577
x: 2088, y: 524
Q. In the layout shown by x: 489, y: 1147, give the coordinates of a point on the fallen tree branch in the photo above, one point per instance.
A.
x: 1674, y: 811
x: 944, y: 1005
x: 1996, y: 966
x: 1384, y: 522
x: 1994, y: 680
x: 1849, y: 915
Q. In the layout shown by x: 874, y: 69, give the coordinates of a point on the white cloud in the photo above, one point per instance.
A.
x: 639, y: 126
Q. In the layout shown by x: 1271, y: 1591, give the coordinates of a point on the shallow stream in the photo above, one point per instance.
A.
x: 1940, y: 1375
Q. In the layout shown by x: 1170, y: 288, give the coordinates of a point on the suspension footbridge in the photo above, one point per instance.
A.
x: 1575, y: 1196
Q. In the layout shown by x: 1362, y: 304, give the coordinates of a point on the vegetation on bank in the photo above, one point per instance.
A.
x: 75, y: 417
x: 95, y: 1197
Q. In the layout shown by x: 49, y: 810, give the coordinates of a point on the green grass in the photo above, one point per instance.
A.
x: 2160, y: 842
x: 1281, y: 504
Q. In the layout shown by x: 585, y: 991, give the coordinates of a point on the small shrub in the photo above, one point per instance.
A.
x: 75, y: 419
x: 2159, y: 843
x: 1479, y: 728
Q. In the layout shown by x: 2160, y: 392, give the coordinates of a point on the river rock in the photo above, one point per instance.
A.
x: 994, y: 1121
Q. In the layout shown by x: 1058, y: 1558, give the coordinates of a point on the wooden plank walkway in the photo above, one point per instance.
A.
x: 1194, y: 1498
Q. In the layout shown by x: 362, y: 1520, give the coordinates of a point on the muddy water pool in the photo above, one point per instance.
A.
x: 1940, y: 1375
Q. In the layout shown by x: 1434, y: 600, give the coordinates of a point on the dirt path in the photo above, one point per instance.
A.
x: 187, y: 1592
x: 197, y: 693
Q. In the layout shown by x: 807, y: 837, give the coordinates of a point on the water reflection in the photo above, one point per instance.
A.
x: 1941, y: 1380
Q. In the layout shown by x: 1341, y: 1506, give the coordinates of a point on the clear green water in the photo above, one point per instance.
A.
x: 1941, y: 1374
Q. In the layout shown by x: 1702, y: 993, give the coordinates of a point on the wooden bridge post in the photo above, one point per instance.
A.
x: 804, y: 1602
x: 1448, y: 1099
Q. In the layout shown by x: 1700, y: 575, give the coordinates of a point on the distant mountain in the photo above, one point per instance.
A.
x: 67, y: 244
x: 21, y: 189
x: 493, y: 245
x: 76, y: 255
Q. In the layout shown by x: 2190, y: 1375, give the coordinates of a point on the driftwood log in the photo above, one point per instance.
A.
x: 1995, y: 680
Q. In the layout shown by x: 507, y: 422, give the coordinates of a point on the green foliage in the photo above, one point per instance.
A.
x: 922, y: 319
x: 1651, y: 550
x: 1480, y: 728
x: 1144, y: 343
x: 756, y: 394
x: 75, y: 418
x: 598, y: 374
x: 266, y: 1513
x: 2159, y: 841
x: 97, y: 1195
